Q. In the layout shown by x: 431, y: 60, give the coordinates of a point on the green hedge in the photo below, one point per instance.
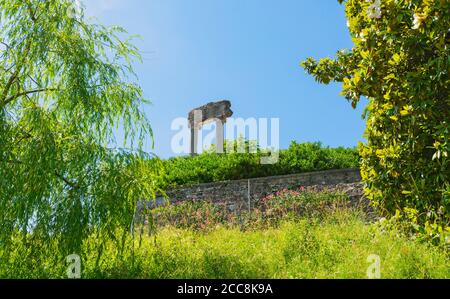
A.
x: 298, y: 158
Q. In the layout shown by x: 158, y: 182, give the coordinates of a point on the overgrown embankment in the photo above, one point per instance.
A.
x: 290, y: 234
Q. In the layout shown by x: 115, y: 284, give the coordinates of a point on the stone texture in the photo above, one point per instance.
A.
x: 214, y: 110
x: 242, y: 194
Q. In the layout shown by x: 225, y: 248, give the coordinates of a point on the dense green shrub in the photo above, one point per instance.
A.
x: 400, y: 62
x: 211, y: 167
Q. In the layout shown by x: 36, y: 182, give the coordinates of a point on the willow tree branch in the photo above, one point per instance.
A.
x: 5, y: 44
x: 61, y: 177
x: 24, y: 57
x: 69, y: 183
x: 12, y: 98
x: 9, y: 84
x: 16, y: 73
x: 31, y: 11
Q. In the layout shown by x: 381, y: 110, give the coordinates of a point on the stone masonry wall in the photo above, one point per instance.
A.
x: 241, y: 194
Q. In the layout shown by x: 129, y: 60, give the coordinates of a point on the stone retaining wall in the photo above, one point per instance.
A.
x: 241, y: 194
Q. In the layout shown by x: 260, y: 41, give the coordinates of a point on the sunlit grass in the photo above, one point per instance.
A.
x: 329, y: 243
x: 335, y: 247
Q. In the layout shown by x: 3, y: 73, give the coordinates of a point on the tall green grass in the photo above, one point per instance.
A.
x: 338, y: 248
x: 289, y: 235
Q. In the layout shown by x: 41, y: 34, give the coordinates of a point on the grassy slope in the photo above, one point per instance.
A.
x: 336, y: 248
x: 289, y: 235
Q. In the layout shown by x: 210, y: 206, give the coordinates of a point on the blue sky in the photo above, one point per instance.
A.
x: 246, y: 51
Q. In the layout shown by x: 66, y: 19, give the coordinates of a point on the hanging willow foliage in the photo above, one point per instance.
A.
x: 65, y: 85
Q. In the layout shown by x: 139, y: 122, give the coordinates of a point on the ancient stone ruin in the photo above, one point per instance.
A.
x: 212, y: 112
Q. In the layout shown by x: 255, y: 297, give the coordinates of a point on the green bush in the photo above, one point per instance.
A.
x: 400, y: 62
x: 211, y: 167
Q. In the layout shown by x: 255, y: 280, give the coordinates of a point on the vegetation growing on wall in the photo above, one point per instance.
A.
x: 298, y: 158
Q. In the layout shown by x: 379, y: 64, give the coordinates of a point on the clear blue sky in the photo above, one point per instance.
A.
x: 246, y: 51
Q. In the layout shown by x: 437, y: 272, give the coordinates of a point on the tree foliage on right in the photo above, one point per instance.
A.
x: 400, y: 62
